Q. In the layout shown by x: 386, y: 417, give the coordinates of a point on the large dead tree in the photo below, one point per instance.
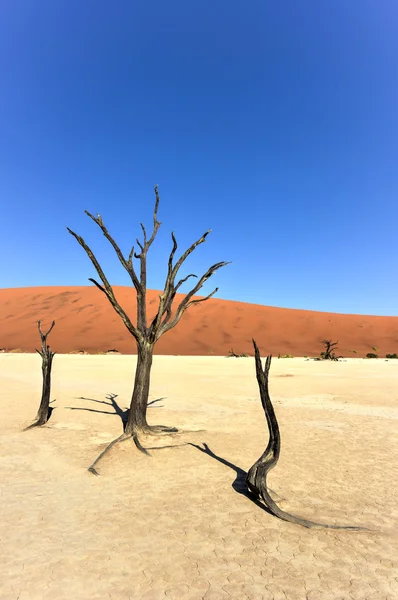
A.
x: 146, y: 335
x: 257, y: 475
x: 47, y: 356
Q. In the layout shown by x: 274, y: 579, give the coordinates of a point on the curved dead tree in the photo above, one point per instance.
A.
x: 146, y: 335
x: 47, y: 356
x: 257, y: 476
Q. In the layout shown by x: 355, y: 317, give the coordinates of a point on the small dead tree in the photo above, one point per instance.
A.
x: 146, y: 335
x: 330, y: 347
x: 47, y: 356
x: 256, y: 479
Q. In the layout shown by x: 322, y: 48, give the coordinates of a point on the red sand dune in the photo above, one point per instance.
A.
x: 86, y: 321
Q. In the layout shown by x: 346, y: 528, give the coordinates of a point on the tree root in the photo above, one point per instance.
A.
x: 38, y: 423
x: 138, y: 444
x: 151, y: 430
x: 41, y: 419
x: 119, y: 440
x: 159, y: 430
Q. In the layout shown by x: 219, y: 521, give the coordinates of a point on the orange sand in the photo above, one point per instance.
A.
x: 86, y: 321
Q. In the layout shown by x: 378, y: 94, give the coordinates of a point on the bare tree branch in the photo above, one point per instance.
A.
x: 172, y: 253
x: 156, y: 223
x: 97, y: 284
x: 187, y: 252
x: 197, y: 300
x: 166, y: 299
x: 142, y: 256
x: 179, y: 284
x: 107, y: 288
x: 158, y: 325
x: 127, y: 264
x: 43, y: 336
x: 186, y: 302
x: 144, y: 232
x: 130, y: 258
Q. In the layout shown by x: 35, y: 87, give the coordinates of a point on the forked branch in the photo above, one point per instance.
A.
x: 161, y: 323
x: 45, y: 349
x: 187, y: 302
x: 257, y: 476
x: 139, y: 283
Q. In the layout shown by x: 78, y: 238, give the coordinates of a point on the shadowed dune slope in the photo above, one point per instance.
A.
x: 86, y: 321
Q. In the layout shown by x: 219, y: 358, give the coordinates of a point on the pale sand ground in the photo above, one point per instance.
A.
x: 172, y: 526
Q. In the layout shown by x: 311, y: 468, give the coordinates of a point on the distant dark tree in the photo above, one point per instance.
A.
x: 232, y: 354
x: 47, y: 356
x: 330, y: 347
x: 146, y: 335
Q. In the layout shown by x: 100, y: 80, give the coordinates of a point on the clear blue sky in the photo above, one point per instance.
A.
x: 273, y: 123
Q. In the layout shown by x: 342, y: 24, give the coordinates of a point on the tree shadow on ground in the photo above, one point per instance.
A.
x: 50, y: 411
x: 239, y: 484
x: 123, y: 414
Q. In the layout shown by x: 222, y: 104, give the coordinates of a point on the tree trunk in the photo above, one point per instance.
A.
x: 139, y: 402
x: 136, y: 422
x: 44, y: 412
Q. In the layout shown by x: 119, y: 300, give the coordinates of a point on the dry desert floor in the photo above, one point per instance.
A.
x: 177, y: 525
